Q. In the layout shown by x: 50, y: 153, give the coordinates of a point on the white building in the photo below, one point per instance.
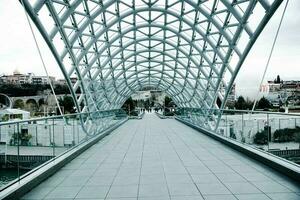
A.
x: 42, y: 80
x: 18, y: 78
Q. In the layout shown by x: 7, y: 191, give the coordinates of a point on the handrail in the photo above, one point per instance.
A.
x: 53, y: 117
x: 239, y: 129
x: 244, y: 111
x: 63, y: 153
x: 278, y: 163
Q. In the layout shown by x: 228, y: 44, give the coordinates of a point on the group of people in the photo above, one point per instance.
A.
x: 149, y: 109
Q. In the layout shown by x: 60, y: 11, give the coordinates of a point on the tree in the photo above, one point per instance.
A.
x: 277, y: 80
x: 297, y: 138
x: 19, y: 104
x: 264, y: 103
x: 168, y: 101
x: 129, y: 105
x: 61, y: 89
x: 240, y: 104
x: 230, y: 104
x: 261, y: 137
x: 68, y: 104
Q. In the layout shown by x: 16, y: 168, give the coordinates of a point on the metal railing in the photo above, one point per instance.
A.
x: 28, y: 144
x: 266, y: 131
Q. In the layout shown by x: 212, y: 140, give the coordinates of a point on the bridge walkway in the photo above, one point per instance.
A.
x: 163, y: 159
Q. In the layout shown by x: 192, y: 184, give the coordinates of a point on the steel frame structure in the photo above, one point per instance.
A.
x: 191, y: 49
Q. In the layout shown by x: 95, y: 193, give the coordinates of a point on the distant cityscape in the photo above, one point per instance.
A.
x: 18, y: 78
x: 278, y: 92
x: 282, y: 93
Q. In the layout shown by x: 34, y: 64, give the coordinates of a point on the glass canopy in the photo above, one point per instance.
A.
x: 191, y: 49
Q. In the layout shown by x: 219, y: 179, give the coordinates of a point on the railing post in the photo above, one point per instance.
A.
x: 18, y: 150
x: 53, y: 140
x: 226, y: 125
x: 268, y: 131
x: 242, y: 126
x: 36, y: 135
x: 78, y: 130
x: 73, y: 131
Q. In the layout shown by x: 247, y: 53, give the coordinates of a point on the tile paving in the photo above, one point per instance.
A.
x: 163, y: 160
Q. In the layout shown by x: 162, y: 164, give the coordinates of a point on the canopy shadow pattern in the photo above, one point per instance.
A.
x: 191, y: 49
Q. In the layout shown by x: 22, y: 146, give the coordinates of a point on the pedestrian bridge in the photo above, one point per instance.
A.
x: 163, y: 159
x: 193, y: 51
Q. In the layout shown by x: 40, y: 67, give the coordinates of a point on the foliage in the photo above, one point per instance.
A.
x: 61, y: 89
x: 4, y: 118
x: 14, y: 90
x: 168, y: 101
x: 277, y: 80
x: 147, y: 104
x: 26, y: 137
x: 242, y: 104
x: 297, y: 138
x: 41, y: 102
x: 264, y: 103
x: 19, y: 104
x: 229, y: 104
x: 68, y: 104
x: 23, y: 138
x: 261, y: 137
x: 21, y: 90
x: 287, y: 134
x: 129, y: 105
x: 168, y: 112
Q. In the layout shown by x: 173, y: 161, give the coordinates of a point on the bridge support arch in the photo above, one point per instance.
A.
x: 113, y: 47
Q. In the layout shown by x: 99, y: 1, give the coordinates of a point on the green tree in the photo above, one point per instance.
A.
x: 168, y: 101
x: 68, y: 104
x: 19, y: 104
x: 261, y: 137
x: 240, y: 104
x: 297, y: 138
x: 264, y: 103
x: 277, y: 80
x: 129, y: 105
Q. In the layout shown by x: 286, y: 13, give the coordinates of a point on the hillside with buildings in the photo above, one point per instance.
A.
x: 18, y: 78
x: 283, y: 93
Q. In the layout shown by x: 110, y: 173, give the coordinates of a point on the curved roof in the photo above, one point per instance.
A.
x: 191, y: 49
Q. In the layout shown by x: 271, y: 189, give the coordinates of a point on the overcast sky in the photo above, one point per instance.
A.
x: 18, y: 51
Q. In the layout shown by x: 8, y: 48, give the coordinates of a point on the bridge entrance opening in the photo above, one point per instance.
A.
x: 151, y: 100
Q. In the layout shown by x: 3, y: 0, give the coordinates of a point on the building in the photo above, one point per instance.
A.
x: 18, y: 78
x: 42, y: 80
x: 284, y: 92
x: 64, y: 82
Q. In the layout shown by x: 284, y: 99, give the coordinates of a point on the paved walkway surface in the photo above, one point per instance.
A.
x: 162, y: 160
